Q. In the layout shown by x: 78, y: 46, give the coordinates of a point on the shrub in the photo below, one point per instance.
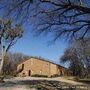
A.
x: 37, y: 75
x: 55, y: 75
x: 76, y: 78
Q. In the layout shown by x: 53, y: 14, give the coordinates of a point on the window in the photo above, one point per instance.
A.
x: 23, y: 74
x: 22, y: 66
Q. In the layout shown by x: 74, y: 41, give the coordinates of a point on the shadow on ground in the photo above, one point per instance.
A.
x: 44, y: 85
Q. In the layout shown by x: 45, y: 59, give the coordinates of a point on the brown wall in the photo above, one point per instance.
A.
x: 35, y: 66
x: 53, y: 69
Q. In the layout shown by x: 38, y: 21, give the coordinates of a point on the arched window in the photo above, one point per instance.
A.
x: 22, y: 66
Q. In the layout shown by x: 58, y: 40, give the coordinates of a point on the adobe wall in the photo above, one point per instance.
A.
x: 40, y: 67
x: 36, y: 66
x: 53, y: 69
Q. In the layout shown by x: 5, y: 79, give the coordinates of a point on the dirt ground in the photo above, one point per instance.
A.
x: 61, y: 79
x: 26, y: 83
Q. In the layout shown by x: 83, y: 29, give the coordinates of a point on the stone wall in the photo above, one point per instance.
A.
x: 41, y: 67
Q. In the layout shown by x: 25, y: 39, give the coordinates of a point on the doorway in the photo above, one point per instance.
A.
x: 29, y: 73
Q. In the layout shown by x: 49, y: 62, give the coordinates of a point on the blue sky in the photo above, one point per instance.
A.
x: 38, y: 46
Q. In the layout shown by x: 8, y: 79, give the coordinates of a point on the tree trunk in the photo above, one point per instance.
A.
x: 2, y: 60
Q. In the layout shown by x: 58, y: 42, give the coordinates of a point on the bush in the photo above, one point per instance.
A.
x: 76, y: 78
x: 55, y: 75
x: 85, y: 80
x: 37, y: 75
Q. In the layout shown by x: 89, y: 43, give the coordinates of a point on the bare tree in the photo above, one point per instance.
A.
x: 10, y: 62
x: 62, y: 18
x: 78, y: 57
x: 9, y: 35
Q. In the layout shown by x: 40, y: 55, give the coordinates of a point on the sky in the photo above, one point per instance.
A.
x: 39, y: 46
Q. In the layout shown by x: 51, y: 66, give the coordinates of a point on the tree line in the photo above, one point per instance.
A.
x: 78, y: 57
x: 11, y: 61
